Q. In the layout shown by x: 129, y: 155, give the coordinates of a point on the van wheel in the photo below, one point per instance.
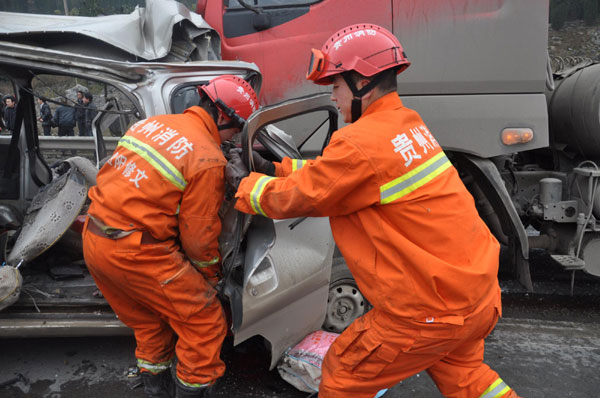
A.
x: 345, y: 302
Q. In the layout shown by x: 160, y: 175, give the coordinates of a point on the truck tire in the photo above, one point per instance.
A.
x: 345, y: 302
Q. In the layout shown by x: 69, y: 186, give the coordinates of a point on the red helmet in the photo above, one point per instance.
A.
x: 365, y: 48
x: 233, y: 96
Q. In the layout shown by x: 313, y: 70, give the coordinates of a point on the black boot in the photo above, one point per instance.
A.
x: 183, y: 391
x: 159, y: 385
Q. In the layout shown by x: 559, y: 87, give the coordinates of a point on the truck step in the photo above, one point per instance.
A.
x: 570, y: 263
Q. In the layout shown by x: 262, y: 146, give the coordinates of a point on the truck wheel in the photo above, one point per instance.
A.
x: 345, y: 302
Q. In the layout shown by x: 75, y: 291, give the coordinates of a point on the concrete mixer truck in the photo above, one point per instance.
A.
x: 525, y: 138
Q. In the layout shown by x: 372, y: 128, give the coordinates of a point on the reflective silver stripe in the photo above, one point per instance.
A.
x: 414, y: 179
x: 158, y: 161
x: 154, y: 368
x: 256, y: 193
x: 297, y: 164
x: 195, y: 385
x: 496, y: 390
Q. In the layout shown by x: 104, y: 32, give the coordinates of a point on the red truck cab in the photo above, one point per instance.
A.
x: 277, y: 35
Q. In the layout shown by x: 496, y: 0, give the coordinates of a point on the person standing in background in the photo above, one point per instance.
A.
x: 90, y: 112
x: 2, y: 127
x: 10, y: 113
x: 80, y: 113
x: 45, y: 116
x: 64, y: 118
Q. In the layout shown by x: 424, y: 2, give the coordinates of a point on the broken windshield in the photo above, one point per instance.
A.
x: 80, y: 108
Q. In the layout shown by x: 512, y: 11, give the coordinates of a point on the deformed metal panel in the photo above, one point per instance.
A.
x: 301, y: 259
x: 146, y: 33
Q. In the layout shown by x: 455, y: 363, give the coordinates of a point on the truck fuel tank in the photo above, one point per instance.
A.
x: 574, y: 108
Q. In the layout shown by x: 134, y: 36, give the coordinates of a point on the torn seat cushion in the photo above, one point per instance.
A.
x: 11, y: 282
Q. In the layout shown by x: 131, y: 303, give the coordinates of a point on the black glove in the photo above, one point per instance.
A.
x: 235, y: 169
x: 262, y: 165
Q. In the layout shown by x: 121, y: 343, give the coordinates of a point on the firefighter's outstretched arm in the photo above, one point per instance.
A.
x: 341, y: 181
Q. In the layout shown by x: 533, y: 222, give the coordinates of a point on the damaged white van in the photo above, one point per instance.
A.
x: 278, y: 280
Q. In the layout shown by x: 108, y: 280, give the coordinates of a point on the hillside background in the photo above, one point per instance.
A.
x: 574, y: 29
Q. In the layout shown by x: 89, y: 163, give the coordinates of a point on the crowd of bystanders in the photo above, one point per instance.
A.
x: 69, y: 118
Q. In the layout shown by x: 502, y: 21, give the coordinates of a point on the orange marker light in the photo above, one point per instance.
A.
x: 512, y: 136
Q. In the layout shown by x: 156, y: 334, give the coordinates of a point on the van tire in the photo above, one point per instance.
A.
x: 345, y: 302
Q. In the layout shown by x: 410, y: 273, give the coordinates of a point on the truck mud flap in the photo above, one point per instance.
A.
x: 491, y: 183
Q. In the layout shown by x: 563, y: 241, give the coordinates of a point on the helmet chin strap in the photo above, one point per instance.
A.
x: 358, y: 94
x: 235, y: 120
x: 226, y: 126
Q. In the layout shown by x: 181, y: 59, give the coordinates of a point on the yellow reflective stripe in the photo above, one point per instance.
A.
x: 297, y: 164
x: 496, y: 390
x: 154, y: 368
x: 203, y: 264
x: 257, y: 191
x: 195, y: 385
x: 414, y: 179
x: 158, y: 161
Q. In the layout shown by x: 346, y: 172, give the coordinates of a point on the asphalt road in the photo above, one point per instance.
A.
x: 547, y: 345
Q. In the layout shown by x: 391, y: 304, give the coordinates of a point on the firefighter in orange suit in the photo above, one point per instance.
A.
x: 405, y: 224
x: 151, y: 238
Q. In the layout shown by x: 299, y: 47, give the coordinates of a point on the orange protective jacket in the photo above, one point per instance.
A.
x: 402, y: 218
x: 166, y: 177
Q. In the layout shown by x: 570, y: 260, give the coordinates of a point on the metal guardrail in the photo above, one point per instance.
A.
x: 72, y: 143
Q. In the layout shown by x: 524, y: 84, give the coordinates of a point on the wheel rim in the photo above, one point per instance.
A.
x: 344, y: 304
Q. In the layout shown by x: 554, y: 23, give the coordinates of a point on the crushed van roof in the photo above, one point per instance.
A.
x: 147, y: 34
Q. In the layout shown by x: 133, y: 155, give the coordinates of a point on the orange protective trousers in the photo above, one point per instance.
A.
x: 156, y: 291
x: 376, y: 352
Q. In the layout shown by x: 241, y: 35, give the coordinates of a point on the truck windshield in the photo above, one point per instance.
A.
x: 235, y: 4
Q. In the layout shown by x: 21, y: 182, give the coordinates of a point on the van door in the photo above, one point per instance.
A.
x: 280, y: 290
